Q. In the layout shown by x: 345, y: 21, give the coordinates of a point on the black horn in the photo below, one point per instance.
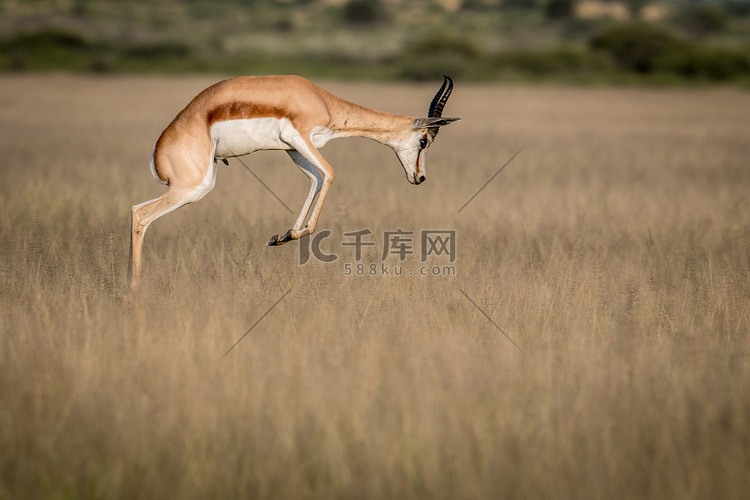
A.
x: 438, y: 102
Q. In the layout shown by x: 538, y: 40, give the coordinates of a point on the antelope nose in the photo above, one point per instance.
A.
x: 421, y: 179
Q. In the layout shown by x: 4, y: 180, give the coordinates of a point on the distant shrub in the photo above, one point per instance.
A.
x: 434, y: 56
x: 635, y: 7
x: 737, y: 8
x: 519, y: 4
x: 645, y: 48
x: 477, y: 5
x: 285, y: 25
x: 47, y: 48
x: 704, y: 19
x: 158, y: 50
x: 445, y: 45
x: 364, y: 12
x: 102, y: 62
x: 560, y: 61
x: 636, y: 46
x: 696, y: 61
x: 559, y: 9
x: 580, y: 28
x: 48, y: 38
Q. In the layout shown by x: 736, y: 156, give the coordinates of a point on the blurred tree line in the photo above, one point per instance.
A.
x: 572, y: 40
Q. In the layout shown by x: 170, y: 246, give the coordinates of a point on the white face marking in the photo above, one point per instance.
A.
x: 411, y: 155
x: 241, y: 137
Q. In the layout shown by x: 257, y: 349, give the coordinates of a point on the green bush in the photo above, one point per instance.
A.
x: 645, y: 48
x: 559, y: 9
x: 519, y: 4
x: 445, y: 45
x: 158, y: 50
x: 704, y: 20
x: 694, y: 61
x: 551, y: 62
x: 636, y: 46
x: 737, y: 8
x: 47, y: 49
x: 364, y: 12
x: 477, y: 5
x: 48, y: 38
x: 434, y: 56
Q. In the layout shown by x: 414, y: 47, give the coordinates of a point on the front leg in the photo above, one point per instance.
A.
x: 311, y: 162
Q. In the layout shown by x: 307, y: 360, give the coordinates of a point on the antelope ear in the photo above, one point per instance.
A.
x: 432, y: 122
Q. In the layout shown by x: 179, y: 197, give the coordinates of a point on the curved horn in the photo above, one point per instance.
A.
x: 438, y: 102
x: 436, y: 99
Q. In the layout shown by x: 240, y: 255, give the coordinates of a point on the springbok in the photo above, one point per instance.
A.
x: 242, y: 115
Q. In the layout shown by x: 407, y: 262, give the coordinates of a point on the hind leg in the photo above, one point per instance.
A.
x: 185, y: 163
x: 144, y: 214
x: 141, y: 216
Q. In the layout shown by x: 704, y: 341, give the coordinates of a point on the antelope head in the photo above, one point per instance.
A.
x: 411, y: 151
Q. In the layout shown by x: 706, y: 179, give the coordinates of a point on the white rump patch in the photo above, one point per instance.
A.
x: 153, y: 168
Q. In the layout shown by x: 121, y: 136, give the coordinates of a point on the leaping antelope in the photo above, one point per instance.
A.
x: 239, y: 116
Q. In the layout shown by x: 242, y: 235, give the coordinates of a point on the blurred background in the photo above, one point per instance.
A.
x: 578, y: 41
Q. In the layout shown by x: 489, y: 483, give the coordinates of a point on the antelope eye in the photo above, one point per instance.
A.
x: 423, y: 143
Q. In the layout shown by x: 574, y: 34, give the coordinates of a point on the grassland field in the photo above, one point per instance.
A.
x: 614, y: 251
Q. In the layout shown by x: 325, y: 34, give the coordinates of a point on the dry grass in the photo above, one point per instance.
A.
x: 613, y: 250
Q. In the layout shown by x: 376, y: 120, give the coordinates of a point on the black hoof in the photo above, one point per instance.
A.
x: 286, y: 237
x: 276, y: 240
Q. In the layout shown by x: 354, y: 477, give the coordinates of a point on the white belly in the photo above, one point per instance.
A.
x: 241, y: 137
